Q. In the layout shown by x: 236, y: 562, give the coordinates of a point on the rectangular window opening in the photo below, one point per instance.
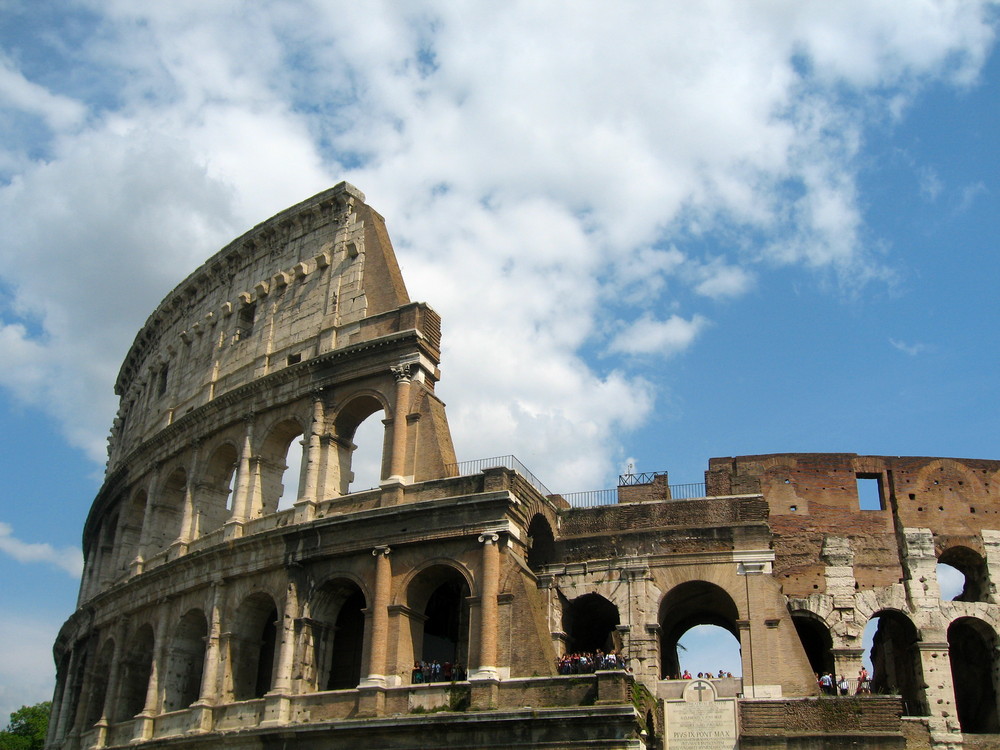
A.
x: 244, y: 321
x: 162, y: 387
x: 870, y: 492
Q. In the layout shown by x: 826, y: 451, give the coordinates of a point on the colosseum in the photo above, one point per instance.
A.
x: 218, y: 610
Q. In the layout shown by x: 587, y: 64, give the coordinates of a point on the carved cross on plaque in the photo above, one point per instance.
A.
x: 701, y: 687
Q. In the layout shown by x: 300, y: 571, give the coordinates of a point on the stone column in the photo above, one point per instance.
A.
x: 145, y: 720
x: 488, y: 608
x: 380, y: 619
x: 305, y: 505
x: 242, y: 500
x: 277, y: 708
x: 397, y: 463
x: 372, y: 699
x: 486, y: 692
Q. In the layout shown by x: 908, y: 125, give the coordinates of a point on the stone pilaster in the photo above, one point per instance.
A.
x: 277, y: 708
x: 144, y: 721
x: 839, y: 572
x: 920, y: 564
x: 202, y: 720
x: 242, y: 496
x: 305, y: 505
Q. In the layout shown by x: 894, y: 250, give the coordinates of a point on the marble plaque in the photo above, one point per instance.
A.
x: 700, y: 720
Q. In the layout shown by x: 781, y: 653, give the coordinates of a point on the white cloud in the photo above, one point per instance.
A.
x: 648, y: 335
x: 68, y: 559
x: 16, y: 92
x: 911, y: 349
x: 719, y: 280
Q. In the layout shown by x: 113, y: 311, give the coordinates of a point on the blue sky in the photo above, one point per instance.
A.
x: 655, y: 236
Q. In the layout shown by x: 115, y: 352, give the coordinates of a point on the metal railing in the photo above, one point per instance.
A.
x: 687, y: 491
x: 588, y: 499
x: 646, y: 477
x: 595, y: 498
x: 591, y: 499
x: 465, y: 468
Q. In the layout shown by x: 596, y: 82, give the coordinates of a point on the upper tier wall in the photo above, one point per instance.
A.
x: 294, y: 287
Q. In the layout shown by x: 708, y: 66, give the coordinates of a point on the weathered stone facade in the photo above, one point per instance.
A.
x: 214, y: 611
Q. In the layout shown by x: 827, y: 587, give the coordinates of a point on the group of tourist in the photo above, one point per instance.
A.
x: 590, y: 662
x: 686, y: 675
x: 435, y: 671
x: 830, y: 685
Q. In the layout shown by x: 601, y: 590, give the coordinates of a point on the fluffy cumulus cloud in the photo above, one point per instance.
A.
x: 68, y: 559
x: 551, y: 173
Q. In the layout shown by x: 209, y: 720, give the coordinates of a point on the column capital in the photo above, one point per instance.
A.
x: 382, y: 551
x: 489, y: 537
x: 402, y: 372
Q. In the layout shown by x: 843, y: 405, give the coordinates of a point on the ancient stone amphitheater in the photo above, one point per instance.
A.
x: 215, y: 610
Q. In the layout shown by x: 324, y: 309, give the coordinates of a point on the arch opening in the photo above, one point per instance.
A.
x: 709, y: 650
x: 589, y: 622
x: 440, y: 594
x: 338, y: 635
x: 361, y: 441
x: 185, y: 661
x: 131, y: 530
x: 895, y: 660
x: 541, y: 543
x: 97, y: 695
x: 962, y: 575
x: 215, y: 492
x: 253, y: 646
x: 972, y: 648
x: 280, y: 467
x: 816, y: 641
x: 168, y: 512
x: 135, y: 671
x: 689, y: 605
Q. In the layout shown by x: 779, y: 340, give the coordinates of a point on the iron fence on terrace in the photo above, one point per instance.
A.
x: 589, y: 499
x: 594, y: 498
x: 465, y: 468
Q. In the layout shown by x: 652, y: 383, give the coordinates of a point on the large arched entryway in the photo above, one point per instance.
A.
x: 440, y: 595
x: 895, y: 660
x: 972, y: 648
x: 689, y: 605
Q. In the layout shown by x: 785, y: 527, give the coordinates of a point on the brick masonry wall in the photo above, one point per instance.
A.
x: 869, y: 715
